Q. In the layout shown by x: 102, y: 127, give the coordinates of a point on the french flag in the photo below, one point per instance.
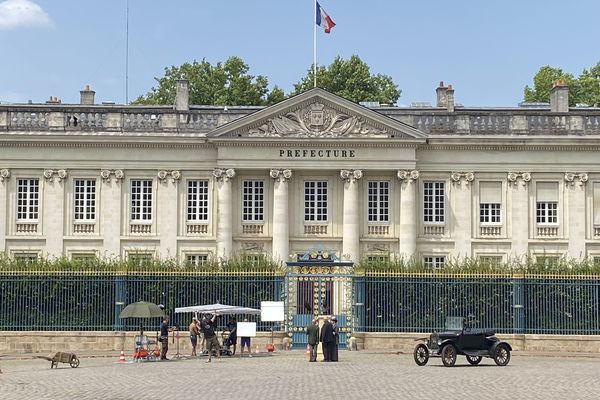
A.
x: 324, y: 20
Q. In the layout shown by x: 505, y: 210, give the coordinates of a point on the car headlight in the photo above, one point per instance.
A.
x: 439, y: 342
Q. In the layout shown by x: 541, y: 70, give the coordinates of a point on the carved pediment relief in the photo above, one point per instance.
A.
x: 316, y: 120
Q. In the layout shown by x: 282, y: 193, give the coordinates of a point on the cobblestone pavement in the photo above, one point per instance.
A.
x: 287, y: 375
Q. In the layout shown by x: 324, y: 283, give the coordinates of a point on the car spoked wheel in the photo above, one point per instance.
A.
x: 473, y: 360
x: 502, y: 355
x: 449, y: 355
x: 421, y: 354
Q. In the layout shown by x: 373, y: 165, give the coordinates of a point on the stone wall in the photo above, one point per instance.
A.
x: 102, y: 342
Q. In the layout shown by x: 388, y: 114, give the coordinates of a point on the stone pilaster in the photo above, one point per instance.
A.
x: 462, y: 210
x: 281, y: 223
x: 575, y: 187
x: 111, y: 210
x: 408, y: 213
x: 4, y: 179
x: 351, y: 228
x: 520, y: 212
x: 53, y: 209
x: 168, y: 184
x: 224, y: 210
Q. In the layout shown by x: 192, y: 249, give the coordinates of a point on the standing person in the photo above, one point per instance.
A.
x: 327, y: 339
x: 164, y: 337
x: 245, y: 341
x: 336, y: 339
x: 208, y: 328
x: 313, y: 339
x: 232, y: 328
x: 194, y: 332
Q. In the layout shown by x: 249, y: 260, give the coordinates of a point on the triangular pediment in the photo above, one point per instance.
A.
x: 317, y: 114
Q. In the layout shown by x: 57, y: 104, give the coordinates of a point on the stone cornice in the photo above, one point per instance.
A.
x: 104, y: 144
x: 316, y: 144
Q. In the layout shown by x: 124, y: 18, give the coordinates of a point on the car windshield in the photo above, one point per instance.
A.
x: 454, y: 323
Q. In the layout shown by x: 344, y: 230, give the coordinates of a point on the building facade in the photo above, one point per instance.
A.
x: 313, y: 173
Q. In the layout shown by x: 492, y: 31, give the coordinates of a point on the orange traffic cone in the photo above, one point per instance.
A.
x: 122, y: 356
x: 307, y: 352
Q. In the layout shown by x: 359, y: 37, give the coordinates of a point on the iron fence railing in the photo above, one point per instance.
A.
x: 382, y: 302
x: 531, y: 304
x: 92, y: 301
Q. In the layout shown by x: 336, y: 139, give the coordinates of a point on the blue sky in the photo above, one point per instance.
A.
x: 488, y: 50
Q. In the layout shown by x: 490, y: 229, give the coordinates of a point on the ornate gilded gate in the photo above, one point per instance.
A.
x: 318, y: 286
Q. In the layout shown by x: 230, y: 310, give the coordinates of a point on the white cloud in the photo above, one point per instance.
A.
x: 22, y: 13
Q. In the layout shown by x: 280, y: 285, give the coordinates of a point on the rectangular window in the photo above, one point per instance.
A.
x: 596, y: 195
x: 253, y: 201
x: 433, y: 202
x: 197, y: 200
x: 28, y: 197
x: 434, y: 262
x: 547, y: 203
x: 141, y: 200
x: 140, y: 258
x: 378, y: 201
x: 84, y: 258
x: 196, y: 259
x: 490, y: 202
x: 547, y: 261
x: 315, y: 201
x: 85, y: 199
x: 25, y: 258
x: 378, y: 260
x: 490, y: 261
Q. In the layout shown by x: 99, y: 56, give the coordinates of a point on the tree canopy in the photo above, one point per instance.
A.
x: 352, y: 80
x: 227, y: 83
x: 583, y: 89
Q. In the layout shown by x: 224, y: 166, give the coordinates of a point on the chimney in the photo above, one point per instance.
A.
x: 182, y: 97
x: 559, y: 97
x: 87, y: 96
x: 450, y: 99
x: 53, y: 100
x: 441, y: 95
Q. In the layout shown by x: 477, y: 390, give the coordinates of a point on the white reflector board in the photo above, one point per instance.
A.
x: 246, y: 329
x: 271, y: 311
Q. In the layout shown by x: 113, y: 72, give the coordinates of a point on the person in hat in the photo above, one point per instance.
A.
x: 336, y: 339
x: 194, y: 332
x: 327, y: 339
x: 312, y: 331
x: 208, y: 328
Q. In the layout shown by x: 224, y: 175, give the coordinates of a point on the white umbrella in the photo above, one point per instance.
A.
x: 218, y: 308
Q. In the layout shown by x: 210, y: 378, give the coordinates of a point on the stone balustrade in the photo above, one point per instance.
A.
x: 464, y: 121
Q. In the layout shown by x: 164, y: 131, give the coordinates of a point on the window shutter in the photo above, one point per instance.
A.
x: 547, y: 191
x: 490, y: 192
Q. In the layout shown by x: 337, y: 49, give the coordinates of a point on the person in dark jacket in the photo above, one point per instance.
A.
x: 336, y: 339
x: 312, y: 331
x: 327, y: 340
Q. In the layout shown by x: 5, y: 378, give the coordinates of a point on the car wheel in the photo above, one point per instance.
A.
x: 421, y: 354
x: 502, y: 355
x: 474, y: 360
x: 74, y: 363
x: 449, y: 355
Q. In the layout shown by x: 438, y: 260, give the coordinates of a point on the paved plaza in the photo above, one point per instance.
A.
x: 287, y: 375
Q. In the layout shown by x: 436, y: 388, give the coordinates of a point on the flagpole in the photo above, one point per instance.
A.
x: 315, y: 44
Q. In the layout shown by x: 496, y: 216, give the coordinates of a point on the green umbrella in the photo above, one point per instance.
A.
x: 142, y: 309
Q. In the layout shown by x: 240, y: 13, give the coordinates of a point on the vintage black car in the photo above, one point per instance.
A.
x: 460, y: 339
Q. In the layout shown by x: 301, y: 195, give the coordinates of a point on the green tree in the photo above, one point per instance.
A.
x: 544, y: 80
x: 588, y: 86
x: 225, y: 83
x: 352, y: 80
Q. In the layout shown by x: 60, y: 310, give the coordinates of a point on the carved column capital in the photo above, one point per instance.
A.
x: 349, y: 175
x: 408, y: 176
x: 514, y: 177
x: 50, y: 174
x: 117, y: 174
x: 163, y: 174
x: 576, y: 177
x: 4, y: 174
x: 281, y: 175
x: 224, y: 175
x: 459, y: 177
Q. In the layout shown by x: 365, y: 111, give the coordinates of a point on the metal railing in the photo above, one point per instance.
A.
x: 74, y: 301
x: 528, y: 304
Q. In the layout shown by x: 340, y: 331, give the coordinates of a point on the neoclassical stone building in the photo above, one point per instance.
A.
x: 314, y: 172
